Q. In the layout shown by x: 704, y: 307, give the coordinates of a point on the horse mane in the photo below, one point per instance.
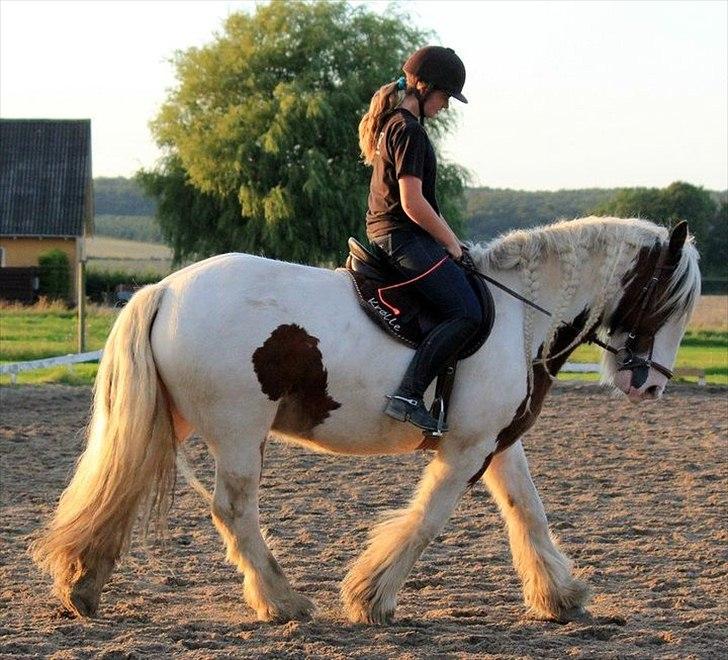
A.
x: 572, y: 242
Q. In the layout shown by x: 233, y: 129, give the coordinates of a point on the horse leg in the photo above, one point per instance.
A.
x: 549, y: 588
x: 236, y: 516
x: 369, y: 590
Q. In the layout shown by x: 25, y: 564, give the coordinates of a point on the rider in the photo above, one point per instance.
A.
x: 403, y: 218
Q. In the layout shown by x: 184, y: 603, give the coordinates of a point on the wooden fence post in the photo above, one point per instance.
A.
x: 81, y: 293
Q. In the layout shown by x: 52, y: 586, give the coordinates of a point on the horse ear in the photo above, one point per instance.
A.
x: 678, y: 235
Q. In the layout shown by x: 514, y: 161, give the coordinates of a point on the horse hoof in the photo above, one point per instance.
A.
x: 82, y: 607
x: 370, y: 616
x: 577, y: 613
x: 82, y: 600
x: 299, y: 608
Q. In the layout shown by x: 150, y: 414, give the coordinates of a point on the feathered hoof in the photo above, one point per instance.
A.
x: 578, y: 613
x: 361, y: 609
x: 570, y: 605
x: 295, y: 607
x: 364, y: 600
x: 370, y: 615
x: 82, y: 598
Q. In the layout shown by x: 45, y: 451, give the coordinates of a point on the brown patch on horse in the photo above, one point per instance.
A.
x: 474, y: 479
x: 290, y: 368
x: 634, y: 284
x: 525, y: 418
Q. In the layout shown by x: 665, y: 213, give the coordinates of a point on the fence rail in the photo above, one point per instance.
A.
x: 75, y: 358
x: 15, y: 368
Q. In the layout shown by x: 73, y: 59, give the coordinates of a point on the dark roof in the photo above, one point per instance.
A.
x: 45, y: 177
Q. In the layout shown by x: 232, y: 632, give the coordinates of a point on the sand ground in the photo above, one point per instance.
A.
x: 636, y: 495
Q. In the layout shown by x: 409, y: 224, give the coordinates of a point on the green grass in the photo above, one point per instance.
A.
x: 702, y: 350
x: 32, y: 333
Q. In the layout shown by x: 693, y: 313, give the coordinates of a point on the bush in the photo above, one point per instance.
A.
x: 55, y: 275
x: 101, y: 285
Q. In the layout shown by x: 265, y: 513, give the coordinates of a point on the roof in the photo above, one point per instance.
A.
x: 45, y: 177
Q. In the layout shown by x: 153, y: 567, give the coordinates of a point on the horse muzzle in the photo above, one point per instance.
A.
x: 640, y: 383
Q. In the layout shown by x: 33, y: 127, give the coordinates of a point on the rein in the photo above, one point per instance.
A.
x: 629, y: 361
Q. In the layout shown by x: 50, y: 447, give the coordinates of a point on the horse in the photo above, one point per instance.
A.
x: 239, y: 348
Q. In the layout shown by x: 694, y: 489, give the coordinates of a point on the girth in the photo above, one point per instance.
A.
x: 402, y: 313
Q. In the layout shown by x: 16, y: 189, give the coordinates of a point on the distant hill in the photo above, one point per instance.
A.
x: 124, y: 211
x: 492, y: 211
x: 143, y: 228
x: 121, y: 196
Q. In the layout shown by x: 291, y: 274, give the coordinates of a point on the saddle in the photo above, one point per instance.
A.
x: 403, y: 314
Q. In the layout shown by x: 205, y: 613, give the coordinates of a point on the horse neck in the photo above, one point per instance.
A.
x: 575, y: 281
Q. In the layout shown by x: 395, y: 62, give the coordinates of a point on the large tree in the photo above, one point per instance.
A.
x: 261, y: 132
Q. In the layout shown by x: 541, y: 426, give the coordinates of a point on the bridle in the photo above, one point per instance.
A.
x: 627, y: 357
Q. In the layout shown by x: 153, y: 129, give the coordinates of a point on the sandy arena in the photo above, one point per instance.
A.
x: 636, y: 495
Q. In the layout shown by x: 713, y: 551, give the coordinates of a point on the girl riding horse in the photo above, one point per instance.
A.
x: 404, y: 221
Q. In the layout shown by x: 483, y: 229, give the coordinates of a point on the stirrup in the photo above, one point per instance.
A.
x: 441, y: 428
x: 405, y: 409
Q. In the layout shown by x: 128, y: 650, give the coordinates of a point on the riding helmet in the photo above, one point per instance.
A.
x: 439, y: 67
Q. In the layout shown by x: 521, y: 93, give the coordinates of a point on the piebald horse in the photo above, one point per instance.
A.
x: 237, y: 347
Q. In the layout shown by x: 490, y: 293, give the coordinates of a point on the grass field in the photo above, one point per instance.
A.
x: 31, y: 333
x: 105, y: 253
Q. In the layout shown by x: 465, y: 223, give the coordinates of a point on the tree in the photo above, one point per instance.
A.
x: 55, y: 275
x: 715, y: 255
x: 679, y: 201
x: 261, y: 132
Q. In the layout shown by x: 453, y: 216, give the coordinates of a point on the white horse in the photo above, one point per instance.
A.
x: 237, y: 348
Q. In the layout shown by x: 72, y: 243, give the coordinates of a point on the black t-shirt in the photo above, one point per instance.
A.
x: 404, y: 149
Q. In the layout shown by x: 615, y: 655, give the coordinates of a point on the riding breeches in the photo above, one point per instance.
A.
x: 416, y: 255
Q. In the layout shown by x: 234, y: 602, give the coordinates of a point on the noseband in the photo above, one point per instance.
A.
x: 627, y: 357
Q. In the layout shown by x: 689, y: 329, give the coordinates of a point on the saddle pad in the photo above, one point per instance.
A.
x: 414, y: 321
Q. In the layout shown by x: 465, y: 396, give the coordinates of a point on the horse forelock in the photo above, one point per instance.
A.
x: 675, y: 296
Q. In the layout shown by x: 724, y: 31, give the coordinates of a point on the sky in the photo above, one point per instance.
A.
x: 563, y: 94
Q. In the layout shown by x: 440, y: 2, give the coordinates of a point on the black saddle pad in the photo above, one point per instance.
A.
x: 403, y: 313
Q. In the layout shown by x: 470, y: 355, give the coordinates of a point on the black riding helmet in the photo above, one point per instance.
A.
x: 440, y: 68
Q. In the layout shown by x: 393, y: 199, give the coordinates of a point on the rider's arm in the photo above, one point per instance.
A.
x: 421, y: 213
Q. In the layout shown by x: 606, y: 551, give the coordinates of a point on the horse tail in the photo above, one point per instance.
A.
x: 128, y: 463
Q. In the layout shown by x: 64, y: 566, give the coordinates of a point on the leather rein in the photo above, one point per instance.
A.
x: 627, y: 358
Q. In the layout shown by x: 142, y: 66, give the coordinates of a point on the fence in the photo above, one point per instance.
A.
x: 75, y: 358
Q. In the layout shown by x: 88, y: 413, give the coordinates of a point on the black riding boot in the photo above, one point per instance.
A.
x: 434, y: 353
x: 412, y: 410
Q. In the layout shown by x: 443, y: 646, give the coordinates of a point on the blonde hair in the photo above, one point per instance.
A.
x: 385, y: 99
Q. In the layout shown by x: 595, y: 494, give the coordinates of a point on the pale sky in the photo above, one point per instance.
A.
x: 562, y: 94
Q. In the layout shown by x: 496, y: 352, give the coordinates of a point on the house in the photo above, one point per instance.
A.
x: 46, y: 198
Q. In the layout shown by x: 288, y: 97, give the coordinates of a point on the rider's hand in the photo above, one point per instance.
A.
x: 466, y: 260
x: 455, y: 251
